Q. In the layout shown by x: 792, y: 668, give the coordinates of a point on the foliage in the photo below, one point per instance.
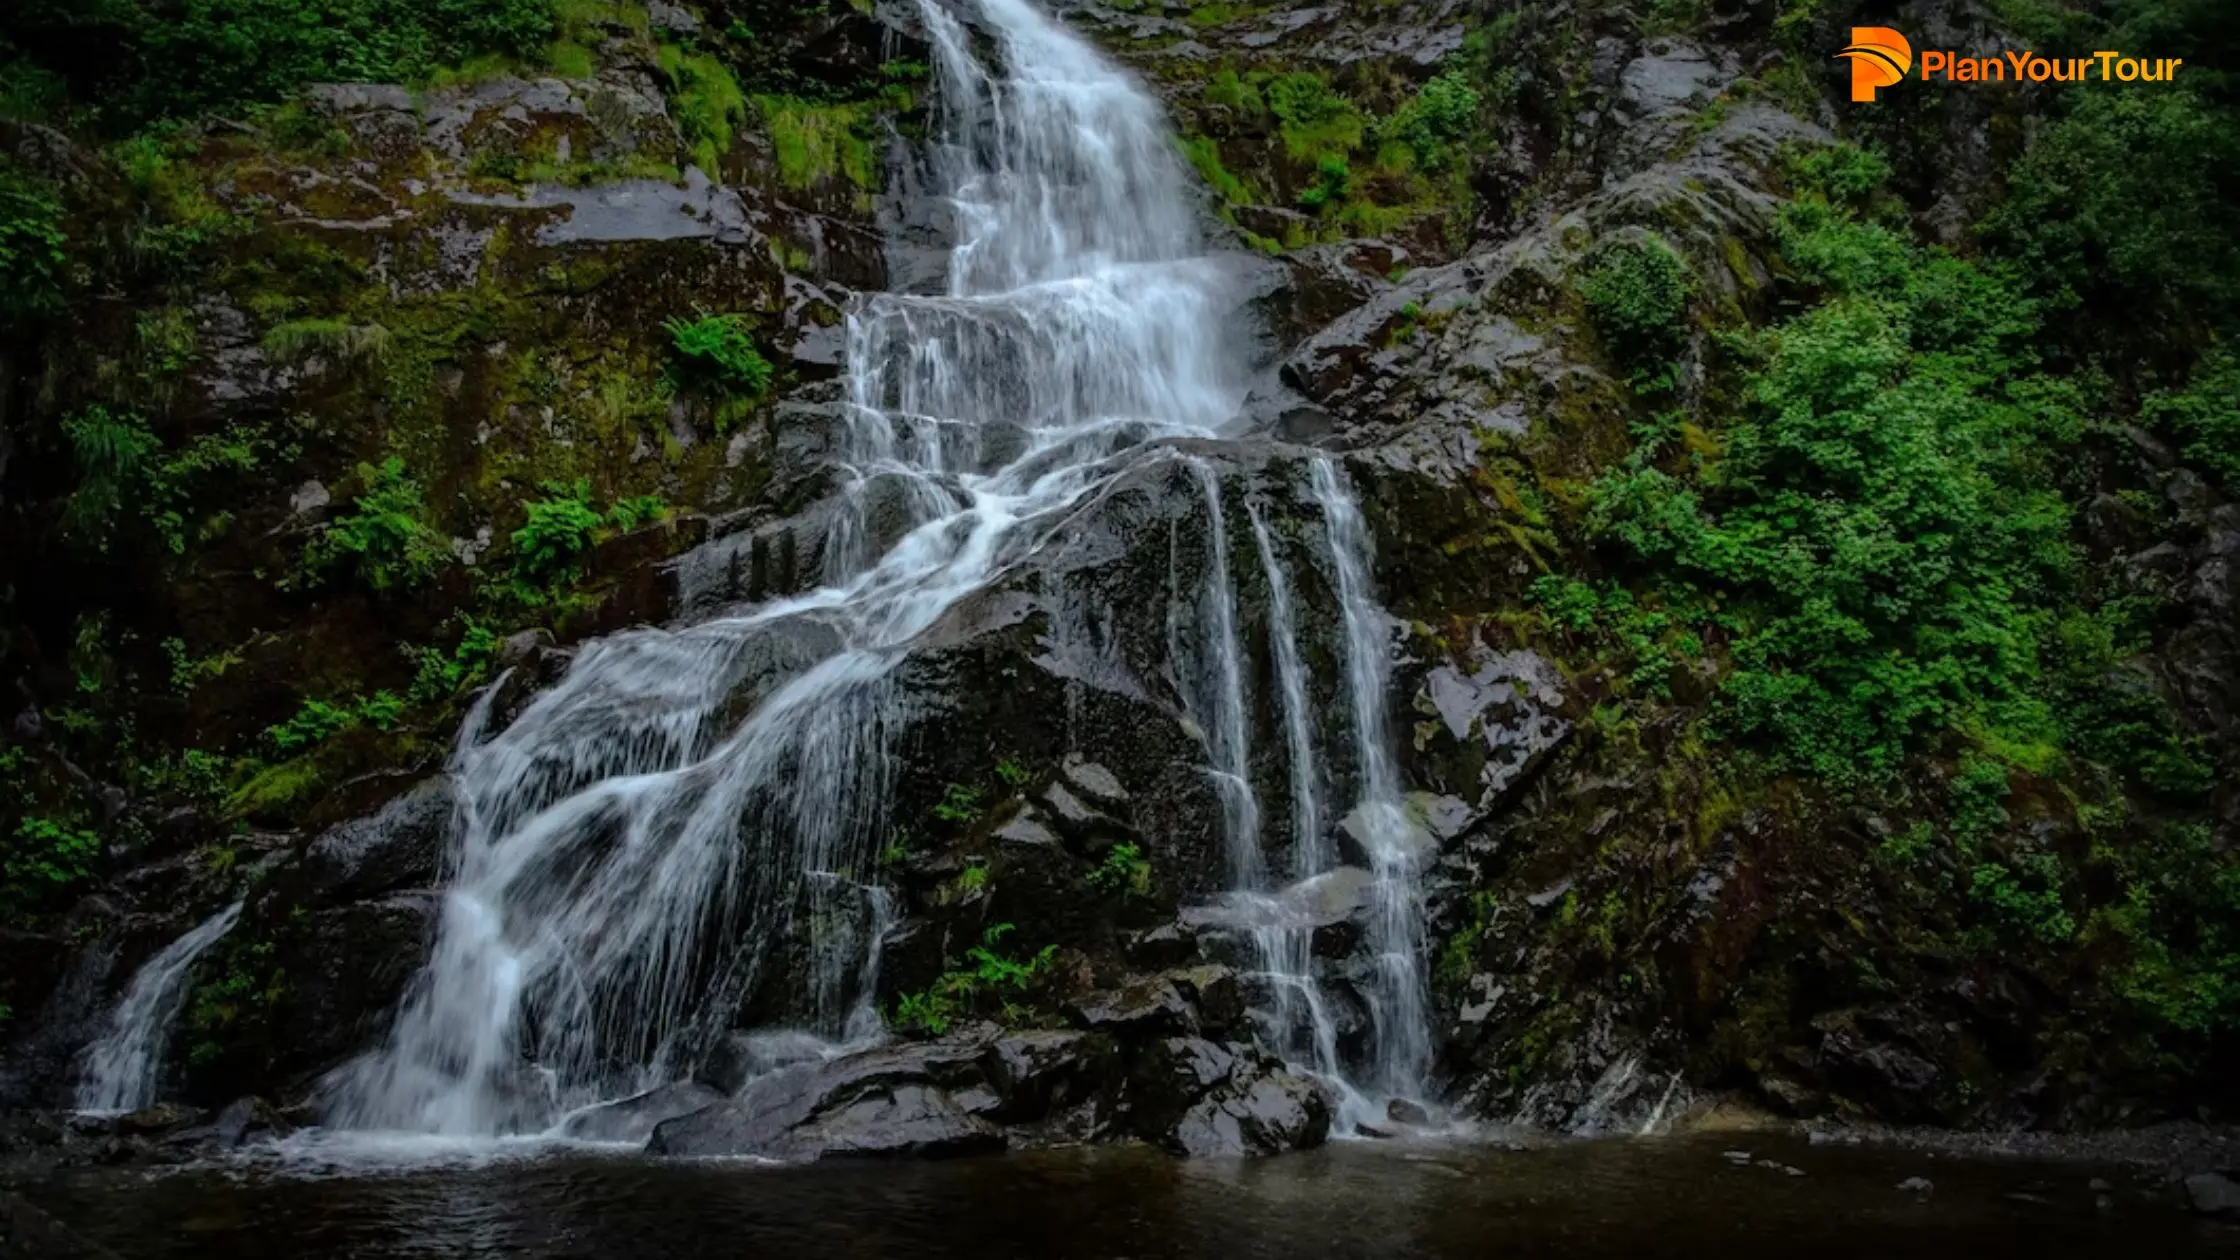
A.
x: 1124, y: 871
x: 439, y: 675
x: 557, y: 530
x: 645, y: 509
x: 1434, y: 121
x: 2204, y: 416
x: 959, y: 805
x: 817, y: 141
x: 115, y: 452
x: 1313, y: 119
x: 2120, y: 219
x: 320, y: 720
x: 706, y: 102
x: 46, y: 856
x: 1636, y: 290
x: 175, y: 58
x: 1333, y: 180
x: 960, y: 991
x: 384, y: 538
x: 1013, y: 773
x: 1879, y: 525
x: 716, y: 353
x: 1651, y: 641
x: 32, y: 264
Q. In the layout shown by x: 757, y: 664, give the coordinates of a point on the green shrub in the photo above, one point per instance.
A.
x: 959, y: 805
x: 175, y: 58
x: 384, y: 538
x: 45, y: 856
x: 716, y: 353
x: 32, y: 264
x: 1637, y: 294
x: 645, y: 509
x: 1125, y: 871
x: 2204, y: 416
x: 1880, y: 526
x: 438, y: 675
x: 1435, y: 120
x: 2121, y: 220
x: 1312, y: 119
x: 115, y: 454
x: 321, y: 720
x: 1333, y: 180
x: 557, y: 531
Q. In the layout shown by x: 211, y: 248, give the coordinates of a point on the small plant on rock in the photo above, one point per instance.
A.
x: 1124, y: 872
x: 716, y: 354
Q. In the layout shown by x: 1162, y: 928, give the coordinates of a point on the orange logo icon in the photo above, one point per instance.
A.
x: 1879, y: 58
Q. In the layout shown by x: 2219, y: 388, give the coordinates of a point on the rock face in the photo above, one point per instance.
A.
x: 478, y: 275
x: 988, y: 1089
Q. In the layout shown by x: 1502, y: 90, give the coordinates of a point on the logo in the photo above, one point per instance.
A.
x: 1879, y: 58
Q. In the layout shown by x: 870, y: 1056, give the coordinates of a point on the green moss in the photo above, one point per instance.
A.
x: 707, y: 103
x: 816, y: 142
x: 1204, y: 156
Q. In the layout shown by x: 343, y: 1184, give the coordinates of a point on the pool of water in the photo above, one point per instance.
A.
x: 1631, y: 1198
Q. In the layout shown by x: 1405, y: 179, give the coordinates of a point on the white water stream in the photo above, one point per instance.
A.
x: 677, y: 791
x: 124, y: 1069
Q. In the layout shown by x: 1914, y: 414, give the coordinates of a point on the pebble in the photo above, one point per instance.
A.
x: 1735, y: 1157
x: 1917, y: 1185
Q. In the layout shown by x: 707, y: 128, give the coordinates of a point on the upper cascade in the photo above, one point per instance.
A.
x: 628, y: 840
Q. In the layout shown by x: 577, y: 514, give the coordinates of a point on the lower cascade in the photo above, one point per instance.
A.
x: 124, y: 1069
x: 628, y: 844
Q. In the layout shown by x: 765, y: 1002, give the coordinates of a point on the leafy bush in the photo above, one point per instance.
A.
x: 716, y: 353
x: 557, y: 531
x: 31, y: 239
x: 320, y: 720
x: 46, y: 856
x: 959, y: 805
x: 1312, y: 119
x: 645, y: 509
x: 2121, y: 220
x: 1637, y: 293
x: 115, y: 453
x: 1125, y: 871
x: 384, y: 539
x: 1880, y: 526
x: 1432, y: 122
x: 174, y: 58
x: 2205, y: 416
x: 438, y: 675
x: 960, y: 991
x: 1333, y: 180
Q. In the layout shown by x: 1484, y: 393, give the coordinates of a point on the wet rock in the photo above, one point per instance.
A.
x: 633, y: 1119
x: 2213, y: 1194
x: 1406, y: 1111
x: 1920, y: 1187
x: 1167, y: 945
x: 1144, y: 1008
x: 1026, y: 827
x: 247, y: 1120
x: 1094, y: 782
x: 739, y: 1057
x: 1265, y: 1113
x: 894, y: 1100
x: 399, y: 847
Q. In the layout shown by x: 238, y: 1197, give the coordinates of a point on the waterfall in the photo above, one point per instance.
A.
x: 630, y: 841
x: 1379, y: 821
x: 124, y: 1069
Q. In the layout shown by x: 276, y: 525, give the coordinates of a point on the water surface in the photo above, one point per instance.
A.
x: 1630, y: 1198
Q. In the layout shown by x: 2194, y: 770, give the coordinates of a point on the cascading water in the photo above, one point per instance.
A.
x: 630, y: 840
x: 124, y: 1069
x: 1379, y: 822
